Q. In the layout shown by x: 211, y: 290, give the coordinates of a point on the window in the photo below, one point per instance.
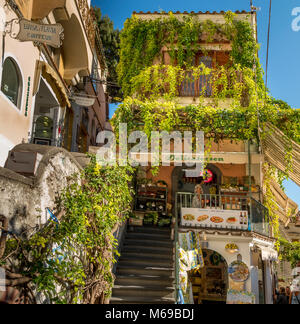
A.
x: 11, y: 84
x: 202, y: 86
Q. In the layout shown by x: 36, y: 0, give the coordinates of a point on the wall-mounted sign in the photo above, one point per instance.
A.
x: 214, y: 218
x: 29, y: 31
x: 83, y: 101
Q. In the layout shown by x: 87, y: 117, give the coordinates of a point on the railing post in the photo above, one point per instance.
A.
x: 176, y: 251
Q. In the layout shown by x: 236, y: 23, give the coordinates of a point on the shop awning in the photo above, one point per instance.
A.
x: 268, y: 254
x: 38, y: 9
x: 44, y: 69
x: 274, y: 145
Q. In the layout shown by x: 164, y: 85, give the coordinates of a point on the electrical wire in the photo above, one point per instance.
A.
x: 268, y: 43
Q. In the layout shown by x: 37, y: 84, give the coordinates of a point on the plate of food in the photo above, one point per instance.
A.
x: 231, y: 220
x: 217, y: 220
x: 202, y: 218
x: 189, y: 217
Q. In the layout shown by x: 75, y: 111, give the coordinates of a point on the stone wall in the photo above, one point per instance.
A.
x: 24, y: 200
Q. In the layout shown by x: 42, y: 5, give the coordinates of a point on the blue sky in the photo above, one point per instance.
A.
x: 284, y: 54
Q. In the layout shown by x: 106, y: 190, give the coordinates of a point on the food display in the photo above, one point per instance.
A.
x: 238, y: 271
x: 189, y: 217
x: 218, y: 218
x: 202, y: 218
x: 232, y: 220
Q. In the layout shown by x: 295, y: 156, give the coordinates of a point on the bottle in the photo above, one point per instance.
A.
x: 241, y: 219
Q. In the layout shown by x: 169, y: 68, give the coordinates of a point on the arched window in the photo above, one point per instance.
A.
x: 11, y: 83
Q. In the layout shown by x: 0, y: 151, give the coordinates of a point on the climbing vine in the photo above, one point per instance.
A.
x: 70, y: 259
x: 290, y: 252
x: 152, y: 88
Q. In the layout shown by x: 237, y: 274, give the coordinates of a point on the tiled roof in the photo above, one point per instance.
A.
x: 186, y: 13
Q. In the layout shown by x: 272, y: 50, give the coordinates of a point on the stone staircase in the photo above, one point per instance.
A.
x: 145, y: 272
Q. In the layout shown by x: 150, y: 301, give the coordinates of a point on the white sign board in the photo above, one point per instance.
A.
x: 214, y: 218
x: 84, y: 101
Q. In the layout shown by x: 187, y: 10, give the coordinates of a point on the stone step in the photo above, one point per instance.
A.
x: 148, y: 280
x: 138, y: 269
x: 147, y: 249
x: 141, y: 242
x: 146, y: 261
x: 148, y: 236
x: 150, y: 229
x: 141, y: 300
x: 143, y: 291
x: 146, y: 255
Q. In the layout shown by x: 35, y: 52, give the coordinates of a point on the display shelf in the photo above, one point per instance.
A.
x: 148, y: 195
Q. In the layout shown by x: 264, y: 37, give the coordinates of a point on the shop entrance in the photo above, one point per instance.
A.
x: 210, y: 283
x: 180, y: 183
x: 46, y: 117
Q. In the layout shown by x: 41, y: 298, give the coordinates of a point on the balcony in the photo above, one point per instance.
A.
x: 200, y: 81
x: 228, y: 212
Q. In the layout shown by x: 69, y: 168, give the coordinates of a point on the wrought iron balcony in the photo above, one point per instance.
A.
x: 235, y: 206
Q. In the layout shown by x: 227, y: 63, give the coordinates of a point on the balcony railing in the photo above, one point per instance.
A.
x: 258, y: 216
x: 210, y: 85
x: 221, y: 82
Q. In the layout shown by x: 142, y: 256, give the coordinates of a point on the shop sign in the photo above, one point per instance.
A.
x: 84, y: 101
x: 51, y: 35
x: 214, y: 218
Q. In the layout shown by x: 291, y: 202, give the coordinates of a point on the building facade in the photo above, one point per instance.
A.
x: 41, y: 82
x: 222, y: 207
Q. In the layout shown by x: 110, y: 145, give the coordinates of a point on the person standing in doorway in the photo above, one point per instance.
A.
x: 199, y: 200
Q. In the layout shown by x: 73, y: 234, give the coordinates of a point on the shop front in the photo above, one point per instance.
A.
x: 50, y: 102
x: 232, y: 269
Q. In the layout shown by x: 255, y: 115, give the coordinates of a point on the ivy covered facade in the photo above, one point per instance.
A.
x: 201, y: 72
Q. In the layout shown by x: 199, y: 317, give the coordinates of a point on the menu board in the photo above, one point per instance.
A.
x: 214, y: 218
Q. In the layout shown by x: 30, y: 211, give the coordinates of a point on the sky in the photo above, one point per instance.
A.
x: 284, y: 52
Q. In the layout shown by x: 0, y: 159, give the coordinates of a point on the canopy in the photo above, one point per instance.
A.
x: 275, y: 144
x: 53, y: 79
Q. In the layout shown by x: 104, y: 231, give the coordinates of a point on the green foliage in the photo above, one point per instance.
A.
x: 290, y: 251
x: 71, y: 262
x: 142, y: 42
x: 110, y: 38
x: 151, y: 88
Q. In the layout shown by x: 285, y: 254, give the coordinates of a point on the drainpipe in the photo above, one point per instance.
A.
x: 250, y: 185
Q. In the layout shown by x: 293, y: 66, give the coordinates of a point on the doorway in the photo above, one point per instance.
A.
x: 210, y: 283
x: 45, y: 130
